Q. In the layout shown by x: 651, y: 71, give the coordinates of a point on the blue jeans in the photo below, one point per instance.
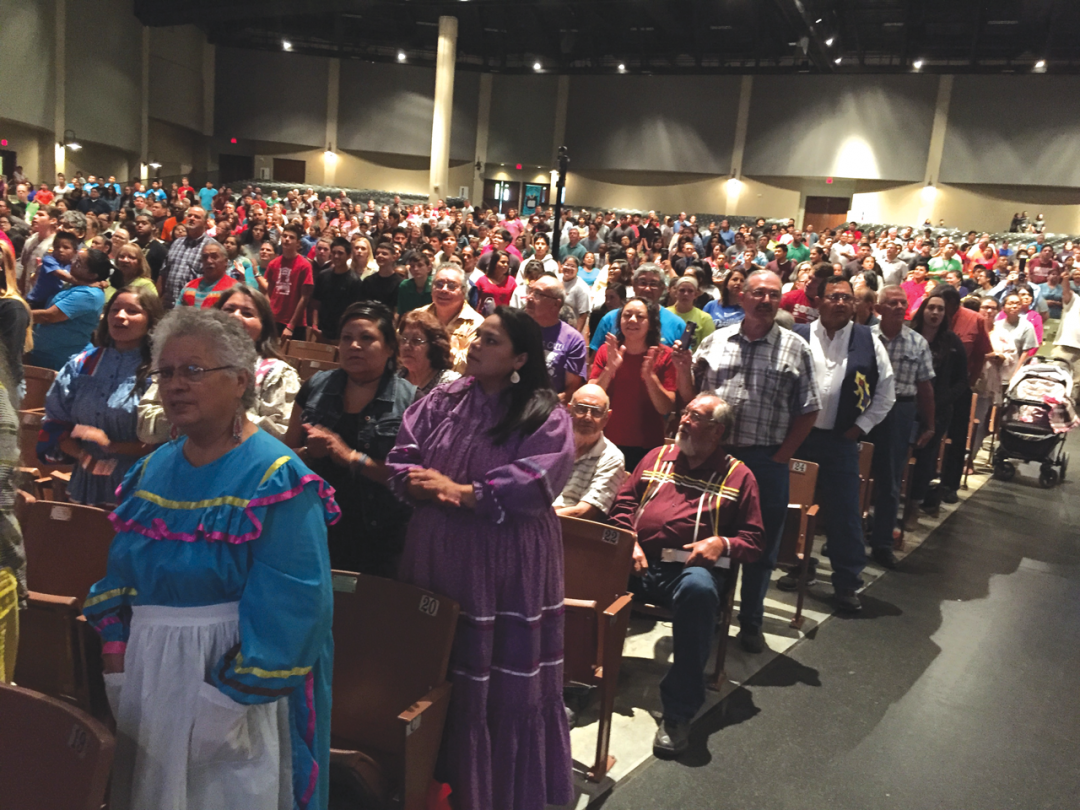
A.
x: 891, y: 439
x: 774, y: 481
x: 693, y: 594
x: 838, y: 492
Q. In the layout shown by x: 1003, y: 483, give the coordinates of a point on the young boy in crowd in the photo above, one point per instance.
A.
x: 55, y: 270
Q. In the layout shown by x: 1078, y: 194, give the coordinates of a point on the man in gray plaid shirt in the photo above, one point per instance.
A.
x: 913, y: 373
x: 183, y: 263
x: 766, y: 374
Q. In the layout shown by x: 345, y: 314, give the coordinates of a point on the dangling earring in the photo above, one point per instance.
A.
x: 515, y: 378
x: 237, y: 427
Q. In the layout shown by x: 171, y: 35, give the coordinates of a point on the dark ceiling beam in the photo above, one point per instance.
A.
x: 156, y: 13
x: 976, y: 37
x: 795, y: 13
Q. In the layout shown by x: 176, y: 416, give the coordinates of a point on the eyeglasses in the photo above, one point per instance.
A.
x: 840, y: 298
x: 415, y: 343
x: 761, y: 295
x: 581, y: 409
x: 648, y: 285
x: 697, y: 418
x: 449, y: 286
x: 189, y: 374
x: 532, y: 292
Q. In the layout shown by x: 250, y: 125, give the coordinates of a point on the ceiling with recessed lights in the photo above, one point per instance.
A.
x: 657, y: 36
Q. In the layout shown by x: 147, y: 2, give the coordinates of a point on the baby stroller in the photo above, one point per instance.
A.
x: 1037, y: 413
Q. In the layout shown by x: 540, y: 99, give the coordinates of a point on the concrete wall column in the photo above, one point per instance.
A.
x: 444, y: 108
x: 483, y: 125
x: 144, y: 111
x: 562, y: 100
x: 333, y: 94
x: 734, y: 185
x: 208, y: 78
x: 937, y: 148
x: 59, y: 156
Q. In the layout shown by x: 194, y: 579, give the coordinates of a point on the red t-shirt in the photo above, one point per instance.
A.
x: 634, y: 421
x: 799, y: 305
x: 500, y: 292
x: 285, y: 285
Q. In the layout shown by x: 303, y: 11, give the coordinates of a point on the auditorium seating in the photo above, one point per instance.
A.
x: 797, y: 543
x: 598, y: 561
x: 53, y: 756
x: 67, y: 549
x: 390, y: 694
x: 306, y: 350
x: 38, y: 381
x: 309, y: 367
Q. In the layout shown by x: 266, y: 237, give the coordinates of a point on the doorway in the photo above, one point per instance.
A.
x: 826, y: 212
x: 502, y: 195
x: 235, y: 167
x: 8, y: 162
x: 290, y: 171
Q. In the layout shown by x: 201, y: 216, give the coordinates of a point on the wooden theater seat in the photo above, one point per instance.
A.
x: 309, y: 368
x: 392, y: 646
x: 306, y: 350
x: 53, y: 756
x: 598, y: 561
x: 67, y: 550
x: 38, y: 381
x: 797, y: 542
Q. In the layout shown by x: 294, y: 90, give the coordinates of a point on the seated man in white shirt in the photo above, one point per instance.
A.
x: 599, y: 467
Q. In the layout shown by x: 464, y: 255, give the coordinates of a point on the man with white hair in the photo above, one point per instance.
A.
x: 599, y: 467
x: 453, y: 311
x: 694, y: 509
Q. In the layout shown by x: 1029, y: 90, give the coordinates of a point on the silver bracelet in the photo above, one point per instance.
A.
x: 361, y: 461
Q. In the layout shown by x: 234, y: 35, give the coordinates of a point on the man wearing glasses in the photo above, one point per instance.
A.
x: 766, y: 374
x: 564, y: 347
x: 694, y: 509
x: 449, y: 306
x: 855, y: 377
x: 599, y: 467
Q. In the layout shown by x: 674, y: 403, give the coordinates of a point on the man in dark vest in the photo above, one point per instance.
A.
x: 855, y: 378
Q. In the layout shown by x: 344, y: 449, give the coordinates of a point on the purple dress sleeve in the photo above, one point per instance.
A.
x: 417, y: 424
x: 528, y: 485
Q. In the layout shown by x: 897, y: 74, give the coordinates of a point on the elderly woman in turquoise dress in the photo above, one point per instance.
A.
x: 215, y: 612
x: 91, y: 408
x: 482, y: 459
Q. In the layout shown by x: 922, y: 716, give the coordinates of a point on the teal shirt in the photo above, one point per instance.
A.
x: 409, y: 298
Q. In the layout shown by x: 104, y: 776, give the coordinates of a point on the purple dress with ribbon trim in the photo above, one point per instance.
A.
x: 507, y: 742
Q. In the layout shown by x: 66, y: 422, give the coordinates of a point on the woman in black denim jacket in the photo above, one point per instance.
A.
x: 346, y: 421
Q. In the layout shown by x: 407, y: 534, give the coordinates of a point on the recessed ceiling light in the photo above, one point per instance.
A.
x: 838, y: 60
x: 830, y: 41
x: 537, y: 66
x: 622, y: 68
x: 917, y: 64
x: 818, y: 21
x: 401, y: 56
x: 1040, y: 64
x: 286, y: 45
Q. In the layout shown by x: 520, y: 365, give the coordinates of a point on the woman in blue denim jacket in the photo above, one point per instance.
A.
x: 347, y: 420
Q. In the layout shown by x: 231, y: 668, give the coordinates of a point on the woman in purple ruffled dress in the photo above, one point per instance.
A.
x: 482, y: 459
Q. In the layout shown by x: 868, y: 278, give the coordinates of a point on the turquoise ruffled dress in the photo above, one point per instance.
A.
x: 244, y: 534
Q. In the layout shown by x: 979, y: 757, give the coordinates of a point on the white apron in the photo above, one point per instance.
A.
x: 181, y: 743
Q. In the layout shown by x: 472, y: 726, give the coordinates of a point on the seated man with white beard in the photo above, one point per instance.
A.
x: 694, y: 509
x: 599, y: 467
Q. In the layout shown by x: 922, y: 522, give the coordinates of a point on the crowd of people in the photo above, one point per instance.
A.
x: 495, y: 372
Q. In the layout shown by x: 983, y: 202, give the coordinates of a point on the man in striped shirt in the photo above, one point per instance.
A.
x: 694, y: 509
x: 599, y: 467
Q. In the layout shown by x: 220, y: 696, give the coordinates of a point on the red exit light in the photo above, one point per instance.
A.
x: 827, y: 179
x: 518, y: 167
x: 233, y: 140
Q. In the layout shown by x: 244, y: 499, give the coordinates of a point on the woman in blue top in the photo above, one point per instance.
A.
x: 728, y: 309
x: 91, y: 409
x: 589, y: 269
x: 215, y: 612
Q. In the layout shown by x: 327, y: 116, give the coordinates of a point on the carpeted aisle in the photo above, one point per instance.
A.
x: 957, y: 687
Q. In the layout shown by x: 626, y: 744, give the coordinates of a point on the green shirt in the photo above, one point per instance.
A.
x: 797, y: 253
x: 939, y: 266
x: 705, y: 324
x: 408, y: 298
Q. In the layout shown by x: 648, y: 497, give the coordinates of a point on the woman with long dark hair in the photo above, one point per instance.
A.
x: 728, y: 309
x: 481, y: 460
x: 91, y: 410
x: 639, y: 377
x: 950, y: 383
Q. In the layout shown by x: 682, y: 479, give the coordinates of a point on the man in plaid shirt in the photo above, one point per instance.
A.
x: 913, y: 372
x: 184, y: 262
x: 766, y: 374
